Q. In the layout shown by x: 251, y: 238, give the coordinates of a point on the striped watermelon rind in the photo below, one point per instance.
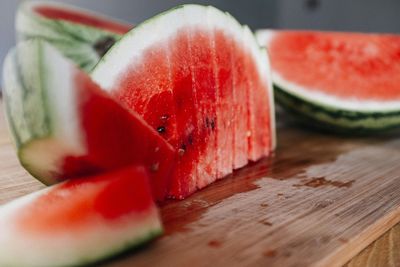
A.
x: 328, y: 113
x: 76, y: 41
x: 339, y: 120
x: 31, y: 107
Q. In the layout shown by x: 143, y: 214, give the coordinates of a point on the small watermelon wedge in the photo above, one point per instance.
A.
x: 200, y: 79
x: 83, y: 36
x: 80, y: 221
x: 65, y: 126
x: 347, y: 82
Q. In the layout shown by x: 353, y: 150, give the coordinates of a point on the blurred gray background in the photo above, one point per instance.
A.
x: 355, y: 15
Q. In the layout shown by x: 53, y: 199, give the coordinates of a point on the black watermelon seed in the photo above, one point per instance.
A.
x: 212, y: 123
x: 103, y: 45
x: 161, y: 129
x: 190, y: 139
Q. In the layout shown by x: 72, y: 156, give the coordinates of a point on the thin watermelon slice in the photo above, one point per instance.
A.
x: 65, y: 126
x: 83, y: 36
x: 336, y: 80
x: 187, y: 71
x: 79, y: 221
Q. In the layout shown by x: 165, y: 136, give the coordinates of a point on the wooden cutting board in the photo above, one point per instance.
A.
x: 318, y: 201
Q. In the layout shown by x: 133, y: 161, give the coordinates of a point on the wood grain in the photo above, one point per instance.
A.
x: 383, y: 252
x: 4, y: 136
x: 318, y: 202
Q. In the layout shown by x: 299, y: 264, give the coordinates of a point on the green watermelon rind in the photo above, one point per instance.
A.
x: 20, y: 102
x: 31, y: 117
x: 116, y: 252
x: 137, y: 244
x: 331, y: 118
x: 74, y: 40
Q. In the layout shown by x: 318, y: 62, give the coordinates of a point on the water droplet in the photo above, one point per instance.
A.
x: 181, y: 152
x: 164, y: 117
x: 265, y: 222
x: 270, y: 253
x: 324, y: 203
x: 215, y: 243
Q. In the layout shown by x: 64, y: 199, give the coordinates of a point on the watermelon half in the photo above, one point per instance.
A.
x: 65, y: 126
x: 200, y: 79
x: 341, y: 81
x: 83, y: 36
x: 79, y: 221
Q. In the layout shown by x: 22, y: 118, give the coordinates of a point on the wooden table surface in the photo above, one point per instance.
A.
x: 319, y: 201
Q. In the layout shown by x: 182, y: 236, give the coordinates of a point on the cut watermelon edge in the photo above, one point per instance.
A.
x: 324, y: 100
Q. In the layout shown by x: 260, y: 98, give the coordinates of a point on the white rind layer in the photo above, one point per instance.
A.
x: 95, y: 240
x: 61, y: 90
x: 160, y: 28
x: 314, y: 95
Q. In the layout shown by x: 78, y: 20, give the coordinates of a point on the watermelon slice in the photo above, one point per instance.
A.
x: 81, y: 35
x: 80, y: 221
x: 199, y: 78
x: 341, y: 81
x: 65, y: 126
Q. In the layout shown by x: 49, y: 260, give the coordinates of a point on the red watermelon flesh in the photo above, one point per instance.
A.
x: 240, y: 104
x: 75, y: 16
x: 190, y: 101
x: 116, y: 137
x: 259, y: 141
x: 151, y: 98
x: 204, y: 81
x: 79, y: 221
x: 368, y: 64
x: 225, y: 110
x: 110, y: 195
x: 197, y: 74
x: 166, y: 102
x: 185, y: 101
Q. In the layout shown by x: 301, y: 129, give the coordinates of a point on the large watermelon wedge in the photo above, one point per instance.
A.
x: 340, y: 81
x: 64, y: 125
x: 79, y: 221
x: 82, y: 35
x: 200, y: 79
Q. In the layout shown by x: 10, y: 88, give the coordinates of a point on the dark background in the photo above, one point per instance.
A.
x: 344, y: 15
